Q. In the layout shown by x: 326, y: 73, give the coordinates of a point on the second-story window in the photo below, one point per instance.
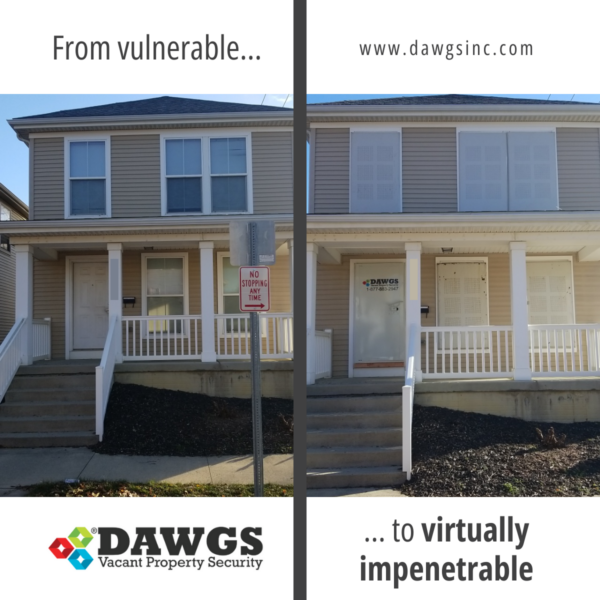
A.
x: 507, y: 171
x: 4, y: 213
x: 87, y: 178
x: 375, y: 172
x: 184, y: 175
x: 228, y: 174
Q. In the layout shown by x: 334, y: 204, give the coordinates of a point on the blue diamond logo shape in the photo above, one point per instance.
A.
x: 80, y: 559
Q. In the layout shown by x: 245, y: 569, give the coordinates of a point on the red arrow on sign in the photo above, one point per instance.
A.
x: 255, y: 305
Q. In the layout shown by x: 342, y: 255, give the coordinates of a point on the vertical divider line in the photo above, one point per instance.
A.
x: 299, y: 300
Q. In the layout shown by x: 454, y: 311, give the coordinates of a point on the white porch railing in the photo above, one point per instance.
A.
x: 323, y: 353
x: 467, y: 352
x: 11, y: 352
x: 233, y: 336
x: 408, y: 396
x: 42, y: 338
x: 162, y: 338
x: 564, y: 350
x: 104, y: 374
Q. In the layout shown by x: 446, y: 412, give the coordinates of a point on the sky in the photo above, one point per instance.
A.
x: 14, y: 155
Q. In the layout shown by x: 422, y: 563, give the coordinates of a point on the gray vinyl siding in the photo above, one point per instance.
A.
x: 332, y: 171
x: 135, y: 171
x: 273, y: 172
x: 578, y: 151
x: 7, y: 292
x: 48, y: 197
x: 429, y: 175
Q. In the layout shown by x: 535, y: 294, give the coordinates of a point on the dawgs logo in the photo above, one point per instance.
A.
x: 73, y: 548
x: 381, y: 283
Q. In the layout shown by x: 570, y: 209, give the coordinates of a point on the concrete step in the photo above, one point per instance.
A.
x: 326, y: 404
x: 31, y: 382
x: 47, y: 409
x: 351, y: 456
x: 45, y: 368
x: 46, y: 424
x: 329, y: 438
x: 75, y: 394
x: 357, y: 420
x: 46, y: 440
x: 355, y: 477
x: 356, y: 386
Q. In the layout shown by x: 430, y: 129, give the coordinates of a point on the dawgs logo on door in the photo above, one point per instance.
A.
x: 381, y: 285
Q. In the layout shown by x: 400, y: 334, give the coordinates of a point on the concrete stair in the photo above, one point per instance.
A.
x: 354, y: 441
x: 49, y: 405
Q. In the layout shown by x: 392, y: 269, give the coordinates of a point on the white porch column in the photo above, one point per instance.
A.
x: 290, y: 245
x: 518, y: 309
x: 412, y: 291
x: 311, y: 311
x: 207, y: 301
x: 24, y: 297
x: 115, y: 292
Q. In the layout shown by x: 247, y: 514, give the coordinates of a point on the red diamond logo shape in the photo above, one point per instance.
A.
x: 61, y: 548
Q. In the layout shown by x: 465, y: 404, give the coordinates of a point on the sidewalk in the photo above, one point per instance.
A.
x: 27, y: 466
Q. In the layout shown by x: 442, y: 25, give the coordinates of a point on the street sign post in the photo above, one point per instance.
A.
x: 253, y: 242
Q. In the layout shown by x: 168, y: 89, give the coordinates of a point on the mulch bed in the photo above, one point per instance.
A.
x: 466, y: 454
x: 148, y: 421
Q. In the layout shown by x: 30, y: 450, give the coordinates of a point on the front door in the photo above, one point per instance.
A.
x: 90, y: 305
x: 378, y: 319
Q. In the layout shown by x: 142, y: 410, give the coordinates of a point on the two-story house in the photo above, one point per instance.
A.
x: 11, y: 209
x: 123, y: 269
x: 449, y: 238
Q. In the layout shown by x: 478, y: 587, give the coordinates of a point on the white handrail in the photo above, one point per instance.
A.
x: 42, y: 338
x: 11, y: 351
x: 233, y: 336
x: 408, y: 395
x: 323, y: 353
x: 104, y: 374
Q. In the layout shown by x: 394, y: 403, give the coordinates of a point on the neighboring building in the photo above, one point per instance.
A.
x: 474, y: 224
x: 11, y: 209
x: 127, y: 247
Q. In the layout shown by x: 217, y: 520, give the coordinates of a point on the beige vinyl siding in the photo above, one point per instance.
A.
x: 333, y: 302
x: 429, y: 173
x: 273, y: 172
x: 7, y: 292
x: 48, y: 195
x: 586, y: 278
x: 578, y: 156
x: 332, y: 171
x: 135, y: 172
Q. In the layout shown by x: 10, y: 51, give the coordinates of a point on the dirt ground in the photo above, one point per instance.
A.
x: 148, y: 421
x: 466, y: 454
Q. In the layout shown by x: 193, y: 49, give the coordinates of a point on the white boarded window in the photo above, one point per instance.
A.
x: 483, y: 172
x: 503, y: 171
x: 532, y: 171
x: 4, y: 213
x: 462, y: 302
x: 550, y: 292
x: 375, y: 172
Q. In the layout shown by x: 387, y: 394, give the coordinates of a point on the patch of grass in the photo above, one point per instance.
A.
x: 124, y: 489
x: 511, y: 489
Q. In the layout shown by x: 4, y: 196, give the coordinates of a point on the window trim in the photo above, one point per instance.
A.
x: 374, y: 129
x: 206, y: 175
x: 67, y: 173
x: 502, y: 128
x: 186, y: 291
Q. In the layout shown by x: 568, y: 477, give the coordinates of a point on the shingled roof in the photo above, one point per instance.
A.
x: 164, y: 105
x: 447, y: 100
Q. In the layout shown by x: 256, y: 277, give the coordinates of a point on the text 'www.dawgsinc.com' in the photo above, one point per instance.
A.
x: 446, y: 51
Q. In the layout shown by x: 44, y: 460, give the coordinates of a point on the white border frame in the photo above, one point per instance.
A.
x: 503, y: 128
x: 70, y: 353
x: 186, y: 286
x: 86, y: 137
x: 461, y: 259
x: 392, y: 371
x: 369, y: 128
x: 205, y: 136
